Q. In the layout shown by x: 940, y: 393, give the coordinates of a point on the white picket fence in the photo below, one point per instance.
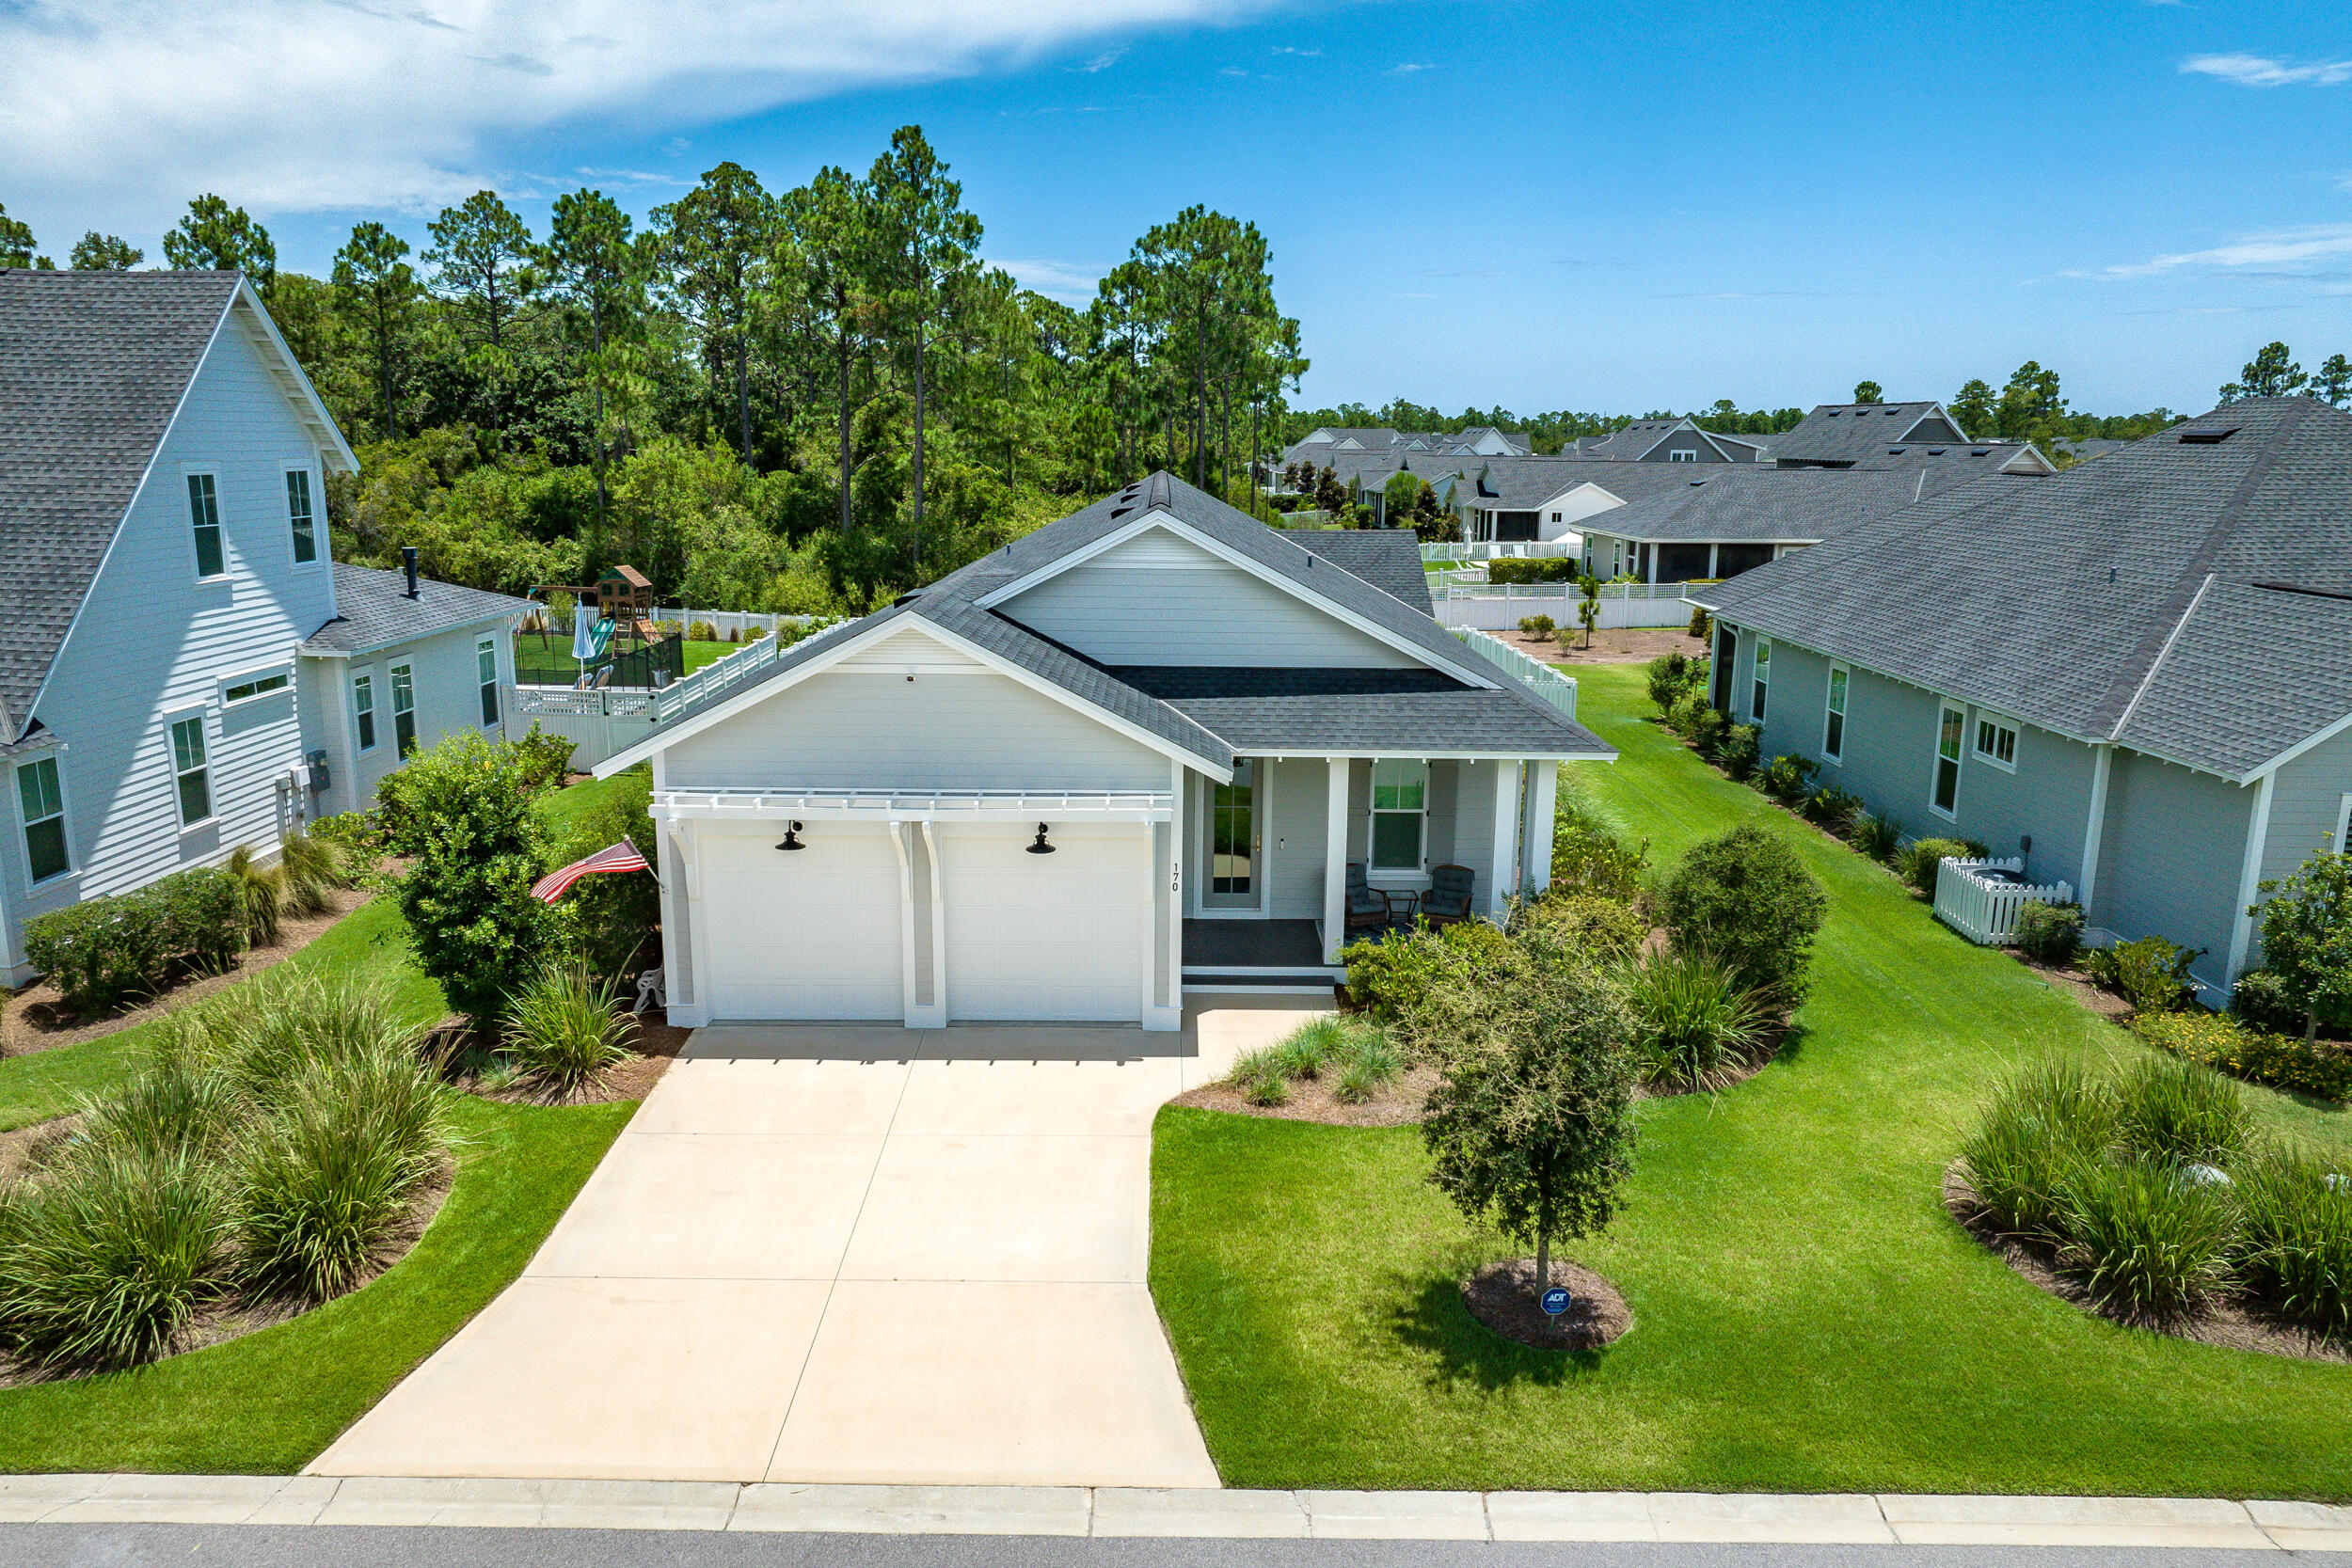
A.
x: 1518, y: 550
x: 1980, y: 899
x: 1546, y: 681
x: 1500, y: 607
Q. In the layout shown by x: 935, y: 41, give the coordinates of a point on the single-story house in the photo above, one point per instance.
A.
x: 2135, y: 675
x: 1840, y: 435
x: 184, y: 668
x: 1135, y: 753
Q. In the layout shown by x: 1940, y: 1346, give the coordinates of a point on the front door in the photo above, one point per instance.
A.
x: 1230, y: 838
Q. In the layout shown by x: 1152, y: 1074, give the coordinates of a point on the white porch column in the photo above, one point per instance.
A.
x: 1543, y: 792
x: 2249, y: 881
x: 1335, y: 860
x: 1171, y: 876
x: 2087, y: 885
x: 1502, y: 855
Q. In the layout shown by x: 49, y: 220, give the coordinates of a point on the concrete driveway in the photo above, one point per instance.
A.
x: 845, y: 1254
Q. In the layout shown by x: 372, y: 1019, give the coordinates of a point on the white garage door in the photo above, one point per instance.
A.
x: 1053, y: 937
x: 812, y: 933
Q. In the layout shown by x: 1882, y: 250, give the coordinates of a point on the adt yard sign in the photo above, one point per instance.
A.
x: 1555, y: 1301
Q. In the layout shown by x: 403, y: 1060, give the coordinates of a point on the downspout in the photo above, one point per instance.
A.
x: 2249, y: 881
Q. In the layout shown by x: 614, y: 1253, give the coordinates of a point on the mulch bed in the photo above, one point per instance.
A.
x: 653, y: 1041
x: 2228, y: 1323
x: 2074, y: 982
x: 1625, y: 645
x: 235, y: 1316
x: 37, y: 1017
x: 1502, y: 1296
x: 1312, y: 1099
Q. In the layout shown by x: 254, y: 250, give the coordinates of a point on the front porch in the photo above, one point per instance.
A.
x: 1278, y: 955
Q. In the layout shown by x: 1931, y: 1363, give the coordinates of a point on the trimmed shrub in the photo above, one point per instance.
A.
x: 1599, y: 928
x: 1694, y: 1027
x: 1737, y: 752
x: 2174, y: 1110
x: 1538, y: 628
x: 2143, y: 1242
x: 107, y: 950
x: 546, y: 759
x: 1393, y: 973
x: 1877, y: 834
x: 2294, y: 1245
x: 562, y: 1028
x: 1747, y: 899
x: 1918, y: 860
x: 2151, y: 974
x: 261, y: 895
x: 1674, y: 676
x: 103, y: 1264
x: 2284, y: 1061
x: 2050, y: 933
x: 1789, y: 778
x: 2260, y: 1000
x: 701, y: 631
x: 1588, y: 857
x: 1701, y: 623
x: 1558, y: 568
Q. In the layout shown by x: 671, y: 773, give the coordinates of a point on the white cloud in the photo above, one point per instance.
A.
x: 114, y: 110
x: 1071, y: 282
x: 1408, y: 67
x: 2291, y: 249
x: 1232, y: 70
x: 1104, y: 61
x: 1304, y: 54
x: 2261, y: 71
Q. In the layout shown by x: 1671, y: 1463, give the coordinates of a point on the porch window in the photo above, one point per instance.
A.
x: 42, y: 804
x: 1763, y: 679
x: 1833, y: 729
x: 1945, y: 799
x: 1400, y: 793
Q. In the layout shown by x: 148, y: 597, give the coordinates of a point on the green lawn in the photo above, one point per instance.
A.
x: 269, y: 1403
x: 1807, y: 1318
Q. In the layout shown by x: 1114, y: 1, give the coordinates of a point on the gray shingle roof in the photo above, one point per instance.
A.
x: 2051, y: 599
x: 1266, y: 709
x: 1845, y: 432
x: 1389, y: 559
x: 1757, y: 504
x: 1523, y: 722
x: 374, y: 610
x: 92, y: 366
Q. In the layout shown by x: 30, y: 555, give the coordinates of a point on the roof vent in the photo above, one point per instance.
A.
x: 1834, y: 412
x: 1894, y: 452
x: 1980, y: 451
x: 908, y: 597
x: 2210, y: 436
x: 1118, y: 512
x: 1935, y: 452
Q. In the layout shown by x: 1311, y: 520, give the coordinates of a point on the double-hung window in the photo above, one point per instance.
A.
x: 1400, y: 795
x: 192, y: 772
x: 299, y: 520
x: 212, y: 558
x: 1760, y: 688
x: 485, y: 671
x: 1834, y: 726
x: 41, y: 803
x: 363, y: 709
x: 404, y: 712
x: 1997, y: 743
x: 1944, y: 799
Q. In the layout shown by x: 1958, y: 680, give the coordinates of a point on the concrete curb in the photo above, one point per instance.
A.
x: 1131, y: 1512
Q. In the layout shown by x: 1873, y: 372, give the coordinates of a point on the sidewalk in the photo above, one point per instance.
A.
x: 1109, y: 1512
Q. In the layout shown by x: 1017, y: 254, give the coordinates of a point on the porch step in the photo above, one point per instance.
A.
x: 1308, y: 983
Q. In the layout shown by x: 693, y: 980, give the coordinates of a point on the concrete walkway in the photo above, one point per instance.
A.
x: 844, y: 1254
x: 1856, y: 1519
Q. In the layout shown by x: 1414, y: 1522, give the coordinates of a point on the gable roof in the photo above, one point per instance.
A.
x: 1846, y: 432
x: 93, y: 368
x: 1636, y: 441
x: 971, y: 606
x: 1389, y: 559
x: 372, y: 610
x: 2126, y: 600
x: 1752, y: 503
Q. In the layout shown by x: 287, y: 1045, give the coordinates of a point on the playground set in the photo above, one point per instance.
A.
x: 615, y: 640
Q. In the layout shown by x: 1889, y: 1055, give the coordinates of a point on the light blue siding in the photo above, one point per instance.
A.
x: 2171, y: 857
x: 2307, y: 804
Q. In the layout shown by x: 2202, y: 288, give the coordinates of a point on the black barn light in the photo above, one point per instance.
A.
x: 1041, y: 846
x: 793, y: 838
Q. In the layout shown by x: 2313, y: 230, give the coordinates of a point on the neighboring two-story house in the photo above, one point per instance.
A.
x: 2136, y: 674
x: 1149, y: 748
x: 182, y: 667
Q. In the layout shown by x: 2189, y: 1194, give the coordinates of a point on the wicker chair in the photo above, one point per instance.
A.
x: 1447, y: 900
x: 1368, y: 908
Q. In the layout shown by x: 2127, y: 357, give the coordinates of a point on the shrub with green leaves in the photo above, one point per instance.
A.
x: 1918, y: 860
x: 562, y: 1028
x: 2042, y: 1121
x: 546, y: 759
x: 1693, y: 1025
x: 2307, y: 939
x: 1674, y: 676
x: 2175, y: 1110
x: 105, y: 1261
x: 2284, y: 1061
x: 1538, y: 629
x: 1601, y: 929
x: 2259, y: 1000
x: 1391, y: 974
x: 461, y: 812
x: 314, y: 869
x: 1737, y: 753
x: 2143, y: 1240
x: 359, y: 834
x: 1834, y: 808
x: 2049, y: 933
x: 1746, y: 898
x: 1588, y: 857
x: 1877, y: 834
x: 616, y: 915
x: 110, y: 949
x: 1789, y: 778
x: 2294, y: 1241
x: 1686, y: 713
x: 2151, y: 974
x: 178, y: 1104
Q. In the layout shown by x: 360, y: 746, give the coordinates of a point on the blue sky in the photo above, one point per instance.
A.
x: 1544, y: 206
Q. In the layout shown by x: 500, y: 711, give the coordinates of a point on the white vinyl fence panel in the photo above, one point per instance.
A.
x: 1548, y: 682
x: 1498, y: 607
x: 1980, y: 899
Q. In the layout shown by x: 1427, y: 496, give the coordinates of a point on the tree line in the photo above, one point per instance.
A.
x: 806, y: 399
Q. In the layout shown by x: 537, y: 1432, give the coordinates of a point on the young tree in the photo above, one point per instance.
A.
x: 96, y: 252
x: 598, y: 274
x: 1973, y: 406
x: 1588, y: 608
x: 1330, y: 494
x: 1432, y: 523
x: 2271, y: 374
x: 716, y: 240
x: 377, y: 291
x: 2333, y: 383
x: 1868, y: 391
x: 16, y: 240
x: 1399, y: 495
x: 217, y: 237
x: 2307, y: 937
x: 924, y: 250
x: 1531, y: 1118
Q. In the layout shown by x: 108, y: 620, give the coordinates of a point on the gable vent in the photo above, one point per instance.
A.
x: 2207, y: 437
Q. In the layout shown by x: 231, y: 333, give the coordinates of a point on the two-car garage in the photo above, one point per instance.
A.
x: 823, y: 931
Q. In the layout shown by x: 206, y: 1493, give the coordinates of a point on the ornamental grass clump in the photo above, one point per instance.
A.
x: 2294, y: 1246
x: 2143, y: 1239
x: 176, y: 1105
x: 1367, y: 1064
x: 314, y: 869
x: 562, y: 1028
x: 105, y: 1260
x: 2173, y: 1110
x: 1311, y: 1047
x: 1694, y: 1027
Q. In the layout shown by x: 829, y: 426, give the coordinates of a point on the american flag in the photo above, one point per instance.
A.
x: 619, y: 857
